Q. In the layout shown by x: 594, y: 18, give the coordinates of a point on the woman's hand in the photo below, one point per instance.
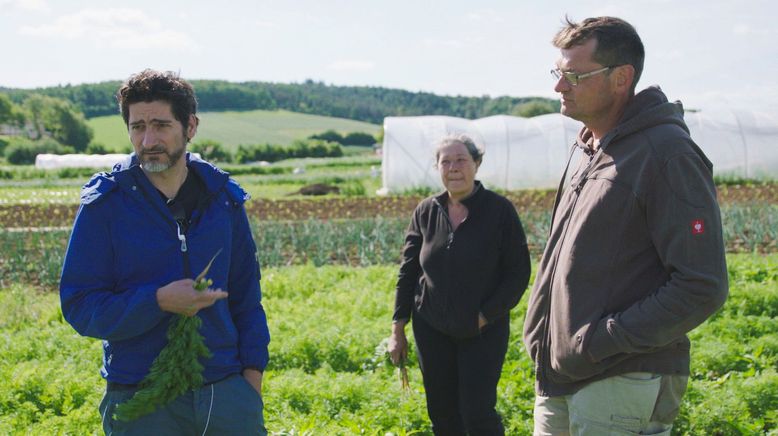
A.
x: 398, y: 343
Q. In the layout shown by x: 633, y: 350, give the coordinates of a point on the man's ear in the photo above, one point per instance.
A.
x: 191, y: 128
x: 625, y: 76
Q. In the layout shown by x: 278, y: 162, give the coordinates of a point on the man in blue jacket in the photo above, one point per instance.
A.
x: 142, y: 233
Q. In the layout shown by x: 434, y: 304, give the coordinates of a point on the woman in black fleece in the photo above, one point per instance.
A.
x: 465, y: 265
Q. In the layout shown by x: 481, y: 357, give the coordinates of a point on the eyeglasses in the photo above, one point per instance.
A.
x: 574, y: 78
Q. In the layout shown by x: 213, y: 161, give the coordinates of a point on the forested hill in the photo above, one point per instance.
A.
x: 361, y: 103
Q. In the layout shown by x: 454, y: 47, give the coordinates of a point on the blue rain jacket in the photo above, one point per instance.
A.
x: 125, y: 245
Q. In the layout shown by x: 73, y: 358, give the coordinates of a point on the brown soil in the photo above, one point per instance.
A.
x: 16, y: 216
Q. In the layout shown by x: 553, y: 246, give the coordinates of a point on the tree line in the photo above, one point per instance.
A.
x: 41, y: 124
x: 53, y: 119
x: 45, y: 124
x: 362, y: 103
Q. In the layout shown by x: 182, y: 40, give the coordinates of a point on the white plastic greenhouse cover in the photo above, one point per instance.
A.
x: 49, y: 161
x: 739, y: 143
x: 531, y: 152
x: 53, y: 161
x: 519, y: 152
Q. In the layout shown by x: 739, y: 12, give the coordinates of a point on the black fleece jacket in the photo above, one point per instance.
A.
x: 448, y: 277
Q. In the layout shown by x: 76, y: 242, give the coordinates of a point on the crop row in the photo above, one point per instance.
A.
x: 328, y: 208
x: 36, y: 256
x: 58, y: 214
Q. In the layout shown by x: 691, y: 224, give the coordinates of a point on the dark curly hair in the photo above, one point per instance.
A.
x: 151, y: 85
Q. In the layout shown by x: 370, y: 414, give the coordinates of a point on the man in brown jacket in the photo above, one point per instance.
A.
x: 635, y: 256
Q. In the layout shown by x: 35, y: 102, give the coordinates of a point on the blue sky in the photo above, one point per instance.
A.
x: 709, y: 54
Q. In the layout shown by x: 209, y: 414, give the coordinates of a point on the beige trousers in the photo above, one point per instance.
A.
x: 637, y: 403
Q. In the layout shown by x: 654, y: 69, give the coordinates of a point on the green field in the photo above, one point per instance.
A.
x: 235, y: 128
x: 328, y: 291
x: 359, y: 166
x: 327, y: 374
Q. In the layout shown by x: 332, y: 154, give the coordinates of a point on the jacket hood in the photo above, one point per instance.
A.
x: 648, y: 108
x: 213, y: 177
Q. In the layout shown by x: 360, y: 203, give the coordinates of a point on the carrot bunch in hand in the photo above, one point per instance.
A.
x: 404, y: 381
x: 177, y: 368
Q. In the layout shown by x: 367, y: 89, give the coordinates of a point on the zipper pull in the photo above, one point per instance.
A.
x: 450, y: 240
x: 181, y: 237
x: 580, y: 186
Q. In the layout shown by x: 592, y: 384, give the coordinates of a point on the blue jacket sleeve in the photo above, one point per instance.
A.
x: 246, y: 296
x: 90, y: 300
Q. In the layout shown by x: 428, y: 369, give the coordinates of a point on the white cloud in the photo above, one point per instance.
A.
x: 759, y: 96
x: 266, y: 24
x: 352, y: 65
x: 485, y: 16
x: 453, y: 43
x: 114, y: 28
x: 449, y: 43
x: 746, y: 30
x: 673, y: 55
x: 26, y: 5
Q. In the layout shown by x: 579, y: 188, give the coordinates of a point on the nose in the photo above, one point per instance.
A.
x: 562, y: 85
x: 449, y: 167
x: 149, y: 138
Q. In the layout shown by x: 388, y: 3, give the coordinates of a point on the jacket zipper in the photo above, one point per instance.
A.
x: 545, y: 350
x: 184, y: 249
x: 196, y: 215
x: 449, y: 242
x: 450, y: 237
x: 181, y: 237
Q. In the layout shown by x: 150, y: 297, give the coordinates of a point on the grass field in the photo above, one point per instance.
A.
x: 235, y: 128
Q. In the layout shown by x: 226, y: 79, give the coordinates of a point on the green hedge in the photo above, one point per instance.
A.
x: 298, y: 149
x: 22, y: 151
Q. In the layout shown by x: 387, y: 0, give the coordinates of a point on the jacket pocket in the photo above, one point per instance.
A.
x: 568, y: 359
x: 571, y: 360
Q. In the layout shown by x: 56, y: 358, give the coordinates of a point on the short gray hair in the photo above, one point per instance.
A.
x: 475, y: 152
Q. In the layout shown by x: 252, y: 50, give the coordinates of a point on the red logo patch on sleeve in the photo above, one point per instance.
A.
x: 698, y: 227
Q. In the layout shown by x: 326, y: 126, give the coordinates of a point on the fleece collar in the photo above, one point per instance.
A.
x: 468, y: 201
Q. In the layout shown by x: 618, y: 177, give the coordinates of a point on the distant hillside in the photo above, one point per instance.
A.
x: 234, y: 128
x: 363, y: 103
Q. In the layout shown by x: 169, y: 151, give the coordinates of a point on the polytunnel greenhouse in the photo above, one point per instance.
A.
x: 50, y: 161
x: 524, y: 153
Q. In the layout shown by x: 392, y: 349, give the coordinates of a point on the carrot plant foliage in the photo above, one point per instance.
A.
x: 325, y: 376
